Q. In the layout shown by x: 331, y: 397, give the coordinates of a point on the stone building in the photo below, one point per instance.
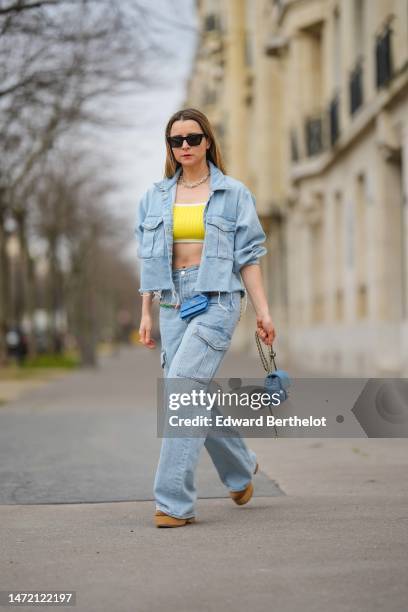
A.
x: 310, y: 100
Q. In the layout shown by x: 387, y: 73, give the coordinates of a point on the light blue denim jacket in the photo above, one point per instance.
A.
x: 233, y: 235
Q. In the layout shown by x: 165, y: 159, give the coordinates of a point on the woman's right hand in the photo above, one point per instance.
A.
x: 145, y: 331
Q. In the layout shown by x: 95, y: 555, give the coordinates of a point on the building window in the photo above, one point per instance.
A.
x: 334, y: 120
x: 314, y: 135
x: 383, y: 54
x: 356, y: 87
x: 210, y: 22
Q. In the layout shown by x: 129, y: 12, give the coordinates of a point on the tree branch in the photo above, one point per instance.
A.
x: 20, y: 6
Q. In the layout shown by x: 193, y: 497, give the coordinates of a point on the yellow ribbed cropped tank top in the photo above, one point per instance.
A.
x: 188, y: 222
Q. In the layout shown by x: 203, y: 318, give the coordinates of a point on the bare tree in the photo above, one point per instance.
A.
x: 70, y: 211
x: 58, y: 62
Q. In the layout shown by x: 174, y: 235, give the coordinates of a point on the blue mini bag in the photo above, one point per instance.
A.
x: 275, y: 382
x: 194, y: 306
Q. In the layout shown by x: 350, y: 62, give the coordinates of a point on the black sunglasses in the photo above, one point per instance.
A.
x: 193, y: 140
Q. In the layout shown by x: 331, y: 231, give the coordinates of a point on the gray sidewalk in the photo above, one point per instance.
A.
x: 327, y: 528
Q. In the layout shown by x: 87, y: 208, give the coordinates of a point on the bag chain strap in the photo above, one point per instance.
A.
x: 268, y: 368
x: 271, y: 355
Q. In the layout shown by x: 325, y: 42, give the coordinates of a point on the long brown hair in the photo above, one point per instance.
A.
x: 213, y: 153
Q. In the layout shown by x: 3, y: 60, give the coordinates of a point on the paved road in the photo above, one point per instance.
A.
x: 327, y: 529
x: 92, y: 437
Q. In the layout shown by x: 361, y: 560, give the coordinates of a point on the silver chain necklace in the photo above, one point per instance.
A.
x: 191, y: 185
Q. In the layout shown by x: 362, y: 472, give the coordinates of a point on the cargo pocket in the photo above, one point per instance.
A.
x: 153, y: 241
x: 220, y: 237
x: 204, y: 353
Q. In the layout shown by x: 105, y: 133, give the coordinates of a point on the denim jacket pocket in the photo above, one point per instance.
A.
x: 220, y: 240
x: 153, y: 240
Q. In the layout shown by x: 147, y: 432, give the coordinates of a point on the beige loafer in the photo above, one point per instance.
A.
x: 243, y: 497
x: 162, y: 519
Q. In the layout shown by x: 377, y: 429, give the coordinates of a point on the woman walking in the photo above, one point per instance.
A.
x: 198, y: 233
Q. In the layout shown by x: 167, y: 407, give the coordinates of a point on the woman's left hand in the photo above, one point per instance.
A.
x: 265, y: 328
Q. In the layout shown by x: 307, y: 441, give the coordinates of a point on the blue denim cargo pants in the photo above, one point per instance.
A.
x: 190, y: 350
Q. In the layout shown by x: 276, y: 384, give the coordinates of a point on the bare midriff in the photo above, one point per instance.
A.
x: 186, y: 254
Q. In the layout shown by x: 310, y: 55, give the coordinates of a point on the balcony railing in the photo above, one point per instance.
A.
x: 334, y: 120
x: 383, y: 56
x: 356, y: 87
